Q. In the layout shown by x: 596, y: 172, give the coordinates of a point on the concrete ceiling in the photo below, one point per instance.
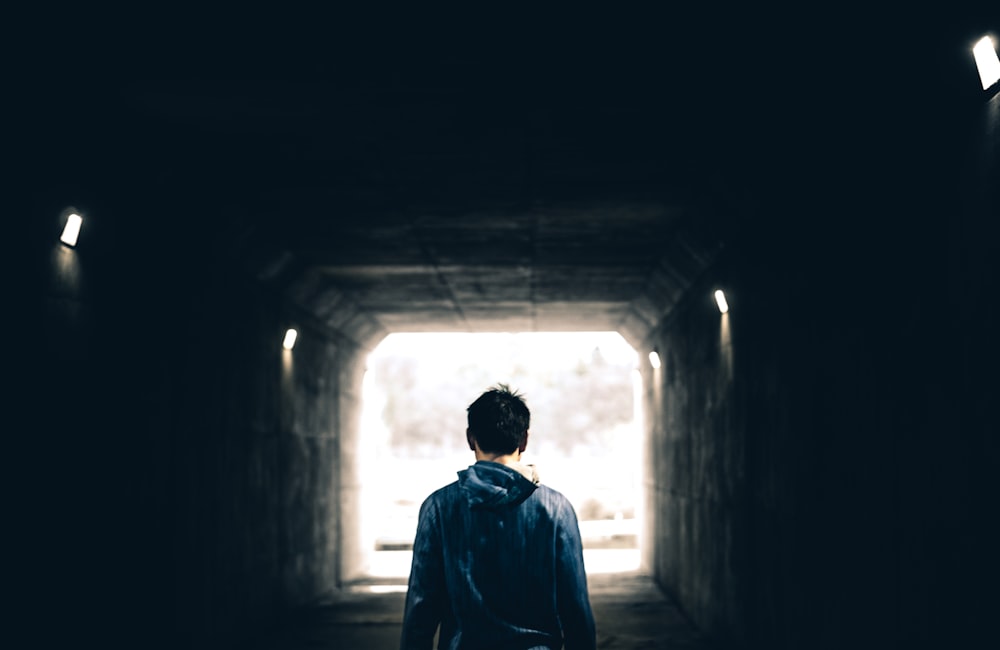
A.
x: 449, y: 208
x: 544, y: 173
x: 559, y: 193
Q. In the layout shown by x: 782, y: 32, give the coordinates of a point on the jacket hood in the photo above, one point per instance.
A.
x: 493, y: 485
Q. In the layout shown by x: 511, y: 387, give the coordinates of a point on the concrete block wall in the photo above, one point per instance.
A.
x: 311, y: 496
x: 193, y: 461
x: 229, y: 446
x: 819, y: 474
x: 353, y: 555
x: 695, y: 469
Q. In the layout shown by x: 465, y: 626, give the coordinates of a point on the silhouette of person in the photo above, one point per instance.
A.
x: 498, y: 558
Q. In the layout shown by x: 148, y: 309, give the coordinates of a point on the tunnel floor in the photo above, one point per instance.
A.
x: 630, y: 611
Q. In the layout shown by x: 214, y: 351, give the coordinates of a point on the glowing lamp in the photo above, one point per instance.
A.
x: 71, y: 231
x: 987, y: 61
x: 289, y: 341
x: 654, y: 359
x: 720, y: 299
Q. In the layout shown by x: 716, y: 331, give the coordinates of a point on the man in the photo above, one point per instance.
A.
x: 497, y: 559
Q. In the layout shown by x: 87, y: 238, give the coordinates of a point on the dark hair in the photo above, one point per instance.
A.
x: 499, y: 420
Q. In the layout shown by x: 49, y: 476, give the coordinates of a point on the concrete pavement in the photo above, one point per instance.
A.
x: 631, y: 613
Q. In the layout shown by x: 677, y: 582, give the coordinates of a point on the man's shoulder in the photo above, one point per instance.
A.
x: 553, y: 498
x: 443, y: 493
x: 550, y: 492
x: 450, y: 494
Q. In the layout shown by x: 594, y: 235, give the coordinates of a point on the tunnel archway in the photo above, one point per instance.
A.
x: 619, y: 265
x: 586, y: 434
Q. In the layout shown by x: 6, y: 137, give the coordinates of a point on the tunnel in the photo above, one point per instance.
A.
x: 819, y: 459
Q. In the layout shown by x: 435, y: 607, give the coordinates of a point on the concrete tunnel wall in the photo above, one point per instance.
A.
x: 819, y: 461
x: 196, y: 463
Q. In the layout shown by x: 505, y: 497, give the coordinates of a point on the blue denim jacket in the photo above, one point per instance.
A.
x: 498, y: 563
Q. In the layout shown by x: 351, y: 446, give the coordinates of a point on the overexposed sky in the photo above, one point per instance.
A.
x: 442, y: 365
x: 499, y: 350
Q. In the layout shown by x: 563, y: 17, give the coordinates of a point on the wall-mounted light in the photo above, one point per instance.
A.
x: 987, y: 61
x: 720, y: 300
x: 654, y: 359
x: 290, y: 337
x: 71, y: 231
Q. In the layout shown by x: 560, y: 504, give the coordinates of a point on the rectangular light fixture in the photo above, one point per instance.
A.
x: 987, y: 62
x: 720, y: 299
x: 71, y: 231
x: 654, y: 359
x: 289, y: 341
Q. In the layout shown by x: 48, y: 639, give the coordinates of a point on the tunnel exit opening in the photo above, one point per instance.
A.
x: 584, y: 392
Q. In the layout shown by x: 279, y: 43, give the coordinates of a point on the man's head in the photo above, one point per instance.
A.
x: 498, y: 421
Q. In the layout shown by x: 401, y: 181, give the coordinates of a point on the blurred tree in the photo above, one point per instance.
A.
x: 575, y: 409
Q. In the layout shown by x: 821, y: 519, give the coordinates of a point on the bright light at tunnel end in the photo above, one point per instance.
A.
x: 654, y: 360
x: 987, y: 62
x: 720, y: 300
x: 290, y: 336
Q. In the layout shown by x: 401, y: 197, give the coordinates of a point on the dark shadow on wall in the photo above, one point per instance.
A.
x: 823, y: 479
x: 190, y: 462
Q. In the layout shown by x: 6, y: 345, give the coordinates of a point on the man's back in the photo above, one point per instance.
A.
x: 498, y: 562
